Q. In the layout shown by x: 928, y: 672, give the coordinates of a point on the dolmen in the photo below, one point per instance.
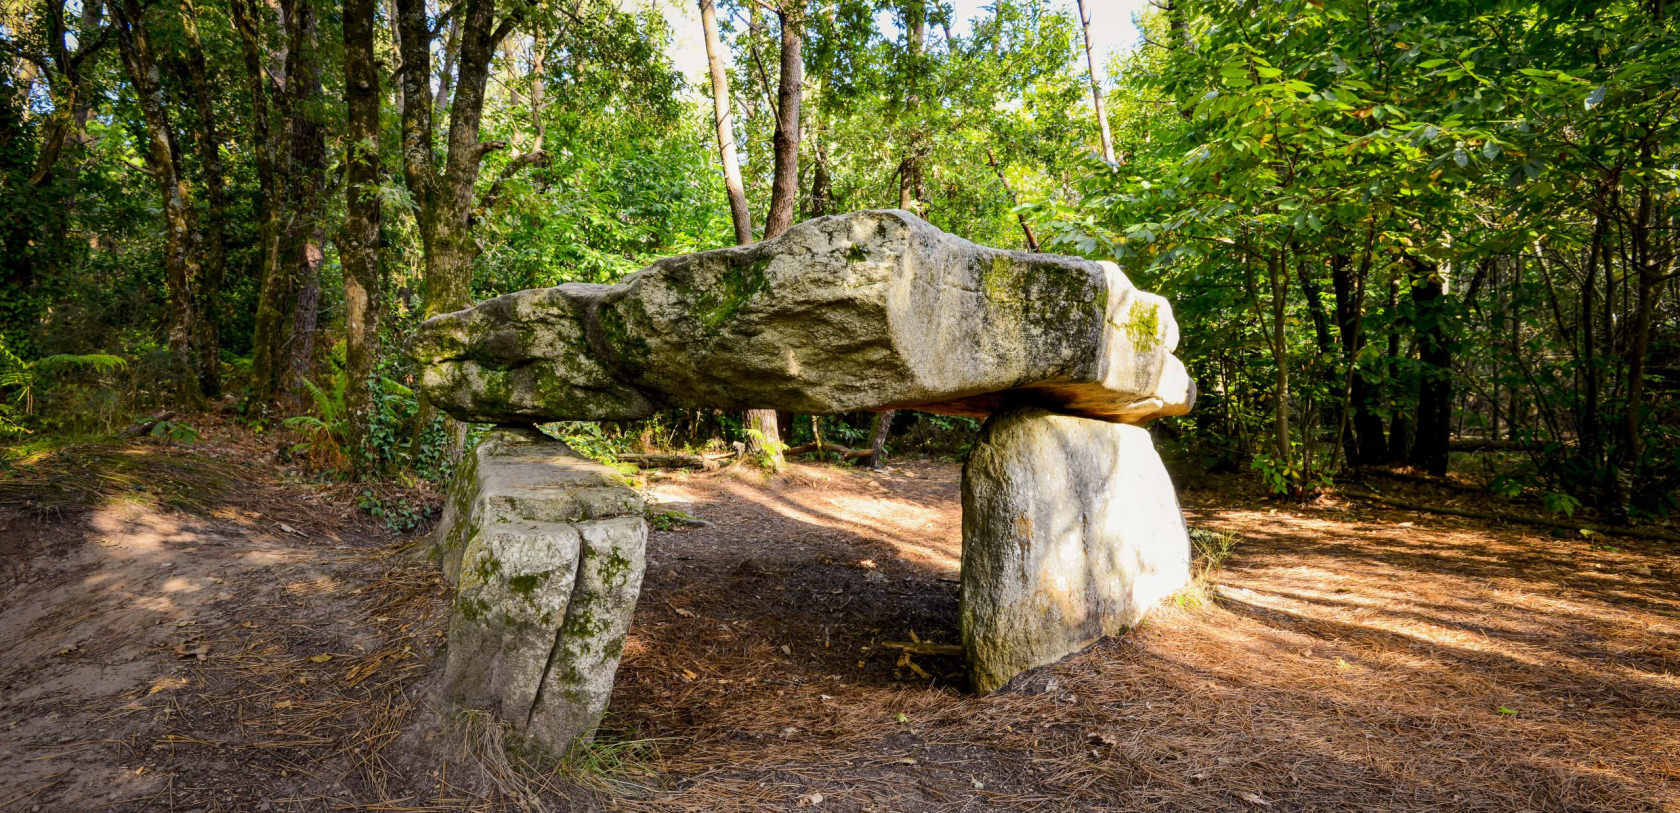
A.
x: 1071, y: 528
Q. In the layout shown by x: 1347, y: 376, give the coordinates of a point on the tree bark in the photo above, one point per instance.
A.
x: 1366, y: 443
x: 182, y: 267
x: 444, y: 198
x: 1435, y: 390
x: 1026, y: 227
x: 270, y: 205
x: 1096, y: 84
x: 359, y: 241
x: 912, y: 190
x: 214, y: 226
x: 739, y: 214
x: 784, y: 187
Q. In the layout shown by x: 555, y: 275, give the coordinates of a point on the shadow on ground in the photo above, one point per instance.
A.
x: 195, y: 629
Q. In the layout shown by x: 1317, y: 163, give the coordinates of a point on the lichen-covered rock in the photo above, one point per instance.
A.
x: 1071, y: 531
x: 869, y: 310
x: 546, y: 550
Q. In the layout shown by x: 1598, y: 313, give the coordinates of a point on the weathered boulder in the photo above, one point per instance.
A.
x: 546, y: 550
x: 868, y: 310
x: 1071, y: 531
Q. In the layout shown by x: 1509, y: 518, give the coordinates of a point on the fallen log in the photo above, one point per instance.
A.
x: 808, y: 448
x: 674, y: 460
x: 145, y: 426
x: 1470, y: 513
x: 1491, y: 445
x: 925, y: 648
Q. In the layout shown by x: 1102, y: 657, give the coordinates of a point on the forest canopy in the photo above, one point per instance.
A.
x: 1428, y: 234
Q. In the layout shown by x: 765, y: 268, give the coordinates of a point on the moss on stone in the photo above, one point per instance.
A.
x: 527, y: 584
x: 736, y: 286
x: 1143, y: 326
x: 632, y: 350
x: 614, y: 567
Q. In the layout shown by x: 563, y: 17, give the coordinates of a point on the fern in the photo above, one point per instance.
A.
x: 95, y: 362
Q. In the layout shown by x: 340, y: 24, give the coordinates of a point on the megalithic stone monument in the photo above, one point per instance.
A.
x: 1071, y: 528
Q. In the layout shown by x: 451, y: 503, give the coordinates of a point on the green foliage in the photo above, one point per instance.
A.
x: 400, y: 514
x: 1211, y: 549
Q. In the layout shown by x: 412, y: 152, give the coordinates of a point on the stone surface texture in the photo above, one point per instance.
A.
x: 546, y: 551
x: 1071, y: 531
x: 868, y: 310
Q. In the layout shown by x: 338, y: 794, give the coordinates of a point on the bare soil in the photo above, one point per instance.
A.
x: 199, y: 628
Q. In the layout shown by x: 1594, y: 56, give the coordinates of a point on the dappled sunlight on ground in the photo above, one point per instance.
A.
x: 215, y: 637
x: 1346, y: 658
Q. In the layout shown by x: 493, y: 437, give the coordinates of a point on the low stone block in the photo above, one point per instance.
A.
x: 1071, y: 531
x: 546, y: 550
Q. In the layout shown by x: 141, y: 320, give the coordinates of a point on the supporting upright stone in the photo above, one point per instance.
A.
x: 546, y: 550
x: 1071, y: 531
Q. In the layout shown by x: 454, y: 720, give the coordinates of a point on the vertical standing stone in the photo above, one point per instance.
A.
x: 546, y: 550
x: 1071, y: 531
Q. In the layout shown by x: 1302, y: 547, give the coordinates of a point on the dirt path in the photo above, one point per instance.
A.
x: 161, y: 648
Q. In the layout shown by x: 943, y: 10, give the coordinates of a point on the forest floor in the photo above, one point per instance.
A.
x: 199, y: 628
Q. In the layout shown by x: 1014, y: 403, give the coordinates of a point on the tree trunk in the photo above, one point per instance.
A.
x: 305, y: 314
x: 214, y: 237
x: 1365, y: 444
x: 294, y: 160
x: 1026, y: 227
x: 1400, y: 425
x: 1280, y: 357
x: 822, y: 183
x: 444, y: 199
x: 912, y: 190
x: 878, y: 438
x: 784, y: 188
x: 359, y: 241
x: 270, y: 206
x: 724, y: 119
x: 1096, y: 84
x: 1435, y: 390
x: 182, y: 267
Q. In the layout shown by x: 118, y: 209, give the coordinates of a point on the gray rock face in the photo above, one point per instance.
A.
x: 1071, y: 531
x: 546, y: 550
x: 869, y: 310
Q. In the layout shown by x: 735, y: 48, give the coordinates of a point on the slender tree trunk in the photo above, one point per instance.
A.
x: 214, y: 228
x: 1026, y: 227
x: 1400, y: 426
x: 302, y: 239
x: 182, y: 267
x: 1435, y: 391
x: 444, y: 200
x: 1096, y: 83
x: 912, y: 190
x: 784, y: 187
x: 1280, y: 356
x: 724, y: 120
x: 822, y: 183
x: 270, y: 205
x: 1365, y: 444
x: 359, y: 241
x: 293, y: 203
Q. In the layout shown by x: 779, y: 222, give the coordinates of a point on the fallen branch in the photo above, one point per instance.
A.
x: 925, y: 648
x: 145, y: 426
x: 1469, y: 513
x: 674, y: 460
x: 1491, y: 445
x: 808, y: 448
